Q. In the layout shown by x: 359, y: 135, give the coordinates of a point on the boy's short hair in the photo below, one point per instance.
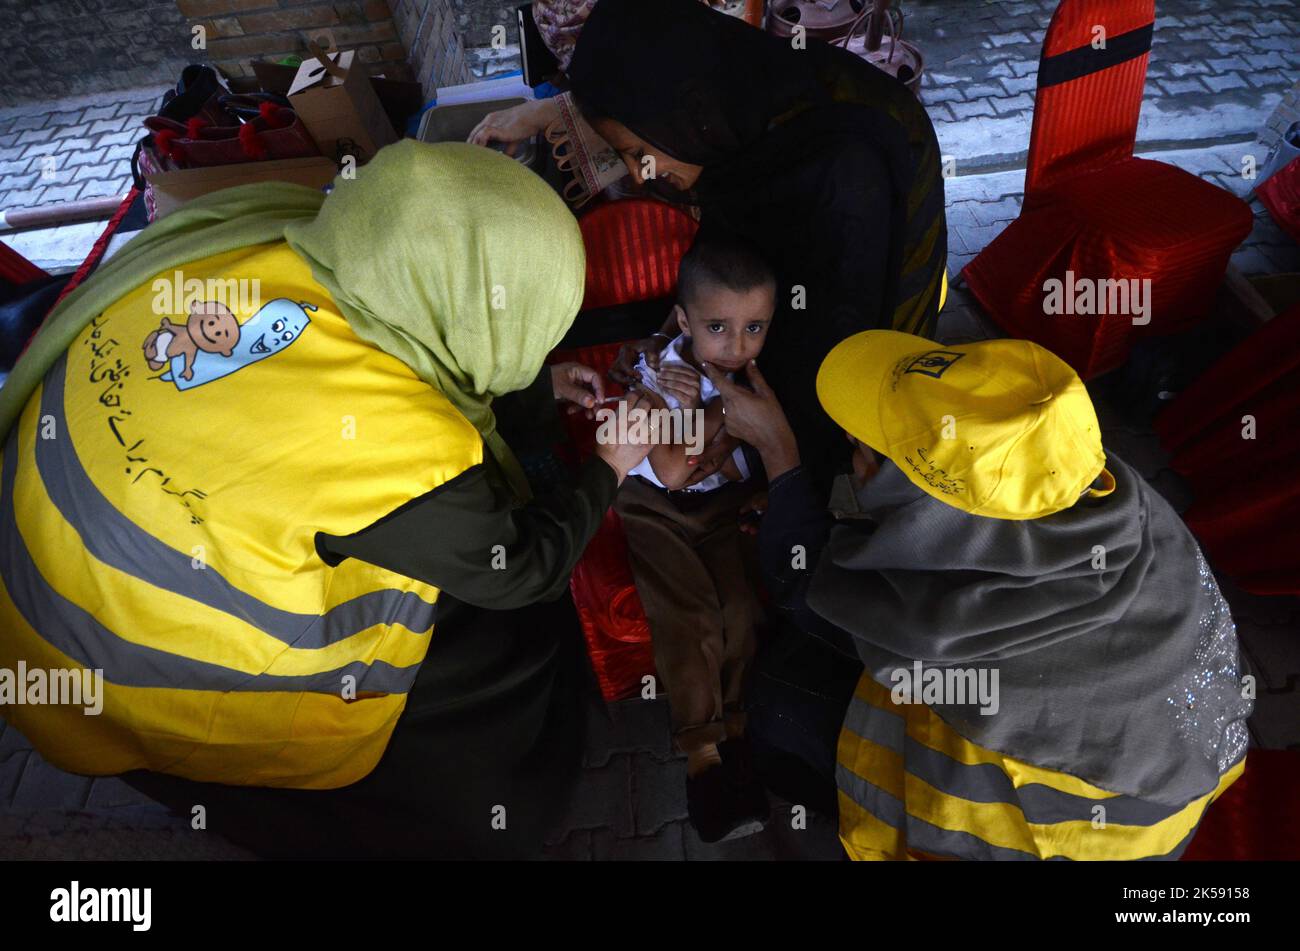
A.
x: 720, y: 257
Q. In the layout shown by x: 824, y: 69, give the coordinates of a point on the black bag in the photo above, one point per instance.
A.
x: 198, y: 93
x: 22, y: 308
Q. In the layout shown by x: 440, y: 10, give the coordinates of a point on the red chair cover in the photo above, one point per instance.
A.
x: 609, y: 609
x: 1247, y: 509
x: 1281, y: 196
x: 1135, y: 221
x: 17, y: 269
x: 1089, y: 122
x: 604, y: 593
x: 1094, y: 212
x: 1254, y: 819
x: 634, y: 248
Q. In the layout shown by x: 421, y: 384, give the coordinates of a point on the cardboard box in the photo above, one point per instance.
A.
x: 401, y: 99
x: 334, y: 98
x: 173, y: 189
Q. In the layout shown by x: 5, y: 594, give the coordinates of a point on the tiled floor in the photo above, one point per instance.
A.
x: 1215, y: 75
x: 73, y: 149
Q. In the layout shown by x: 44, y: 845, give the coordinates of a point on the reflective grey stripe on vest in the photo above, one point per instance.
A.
x: 923, y: 836
x: 117, y: 541
x: 919, y: 834
x: 74, y: 631
x: 986, y: 783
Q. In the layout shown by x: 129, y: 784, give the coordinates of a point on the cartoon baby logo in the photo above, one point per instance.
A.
x: 211, y: 327
x: 212, y: 343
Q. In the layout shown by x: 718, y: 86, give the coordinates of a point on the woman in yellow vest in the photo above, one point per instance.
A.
x: 248, y: 461
x: 1048, y: 669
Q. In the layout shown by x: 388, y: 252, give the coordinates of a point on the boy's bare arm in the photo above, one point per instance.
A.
x: 670, y: 460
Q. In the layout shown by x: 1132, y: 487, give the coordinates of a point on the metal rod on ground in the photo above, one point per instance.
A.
x: 45, y: 216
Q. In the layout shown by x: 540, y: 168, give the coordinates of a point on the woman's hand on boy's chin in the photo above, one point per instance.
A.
x: 755, y: 416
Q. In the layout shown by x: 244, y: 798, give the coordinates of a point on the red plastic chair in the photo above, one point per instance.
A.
x: 1253, y: 819
x: 1281, y: 196
x: 1093, y: 209
x: 634, y: 248
x: 17, y: 269
x: 1246, y: 506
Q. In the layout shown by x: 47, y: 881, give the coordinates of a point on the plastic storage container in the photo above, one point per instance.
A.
x: 454, y: 122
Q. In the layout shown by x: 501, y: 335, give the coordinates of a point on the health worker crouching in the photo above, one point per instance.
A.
x: 258, y: 511
x: 1000, y: 643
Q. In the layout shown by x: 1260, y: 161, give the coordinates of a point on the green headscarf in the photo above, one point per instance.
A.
x: 456, y: 260
x: 451, y: 257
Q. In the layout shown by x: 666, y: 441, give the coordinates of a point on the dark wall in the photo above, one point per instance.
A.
x: 51, y: 49
x: 54, y: 48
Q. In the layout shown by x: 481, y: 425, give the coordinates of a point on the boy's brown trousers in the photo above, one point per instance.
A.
x: 695, y: 576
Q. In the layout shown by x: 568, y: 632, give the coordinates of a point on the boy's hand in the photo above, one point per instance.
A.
x: 680, y: 381
x: 624, y: 369
x: 714, y: 456
x: 653, y: 400
x: 752, y: 511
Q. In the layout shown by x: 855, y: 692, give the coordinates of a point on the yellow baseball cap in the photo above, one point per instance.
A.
x: 1002, y: 428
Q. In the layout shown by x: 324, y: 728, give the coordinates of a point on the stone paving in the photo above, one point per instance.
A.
x: 1216, y: 77
x: 1216, y: 72
x: 631, y: 801
x: 978, y: 207
x: 72, y: 149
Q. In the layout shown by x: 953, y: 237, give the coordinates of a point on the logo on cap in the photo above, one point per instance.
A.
x: 935, y: 363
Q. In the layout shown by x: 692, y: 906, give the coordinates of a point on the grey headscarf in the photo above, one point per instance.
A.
x: 1126, y: 676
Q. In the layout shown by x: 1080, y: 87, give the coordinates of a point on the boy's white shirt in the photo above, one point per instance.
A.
x: 673, y: 354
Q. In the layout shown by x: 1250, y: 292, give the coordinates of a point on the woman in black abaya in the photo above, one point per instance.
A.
x: 828, y: 164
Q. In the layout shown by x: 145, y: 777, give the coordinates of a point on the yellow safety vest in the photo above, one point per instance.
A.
x: 911, y: 787
x: 158, y: 507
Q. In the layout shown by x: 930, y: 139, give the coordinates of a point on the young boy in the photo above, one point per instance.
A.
x: 684, y: 540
